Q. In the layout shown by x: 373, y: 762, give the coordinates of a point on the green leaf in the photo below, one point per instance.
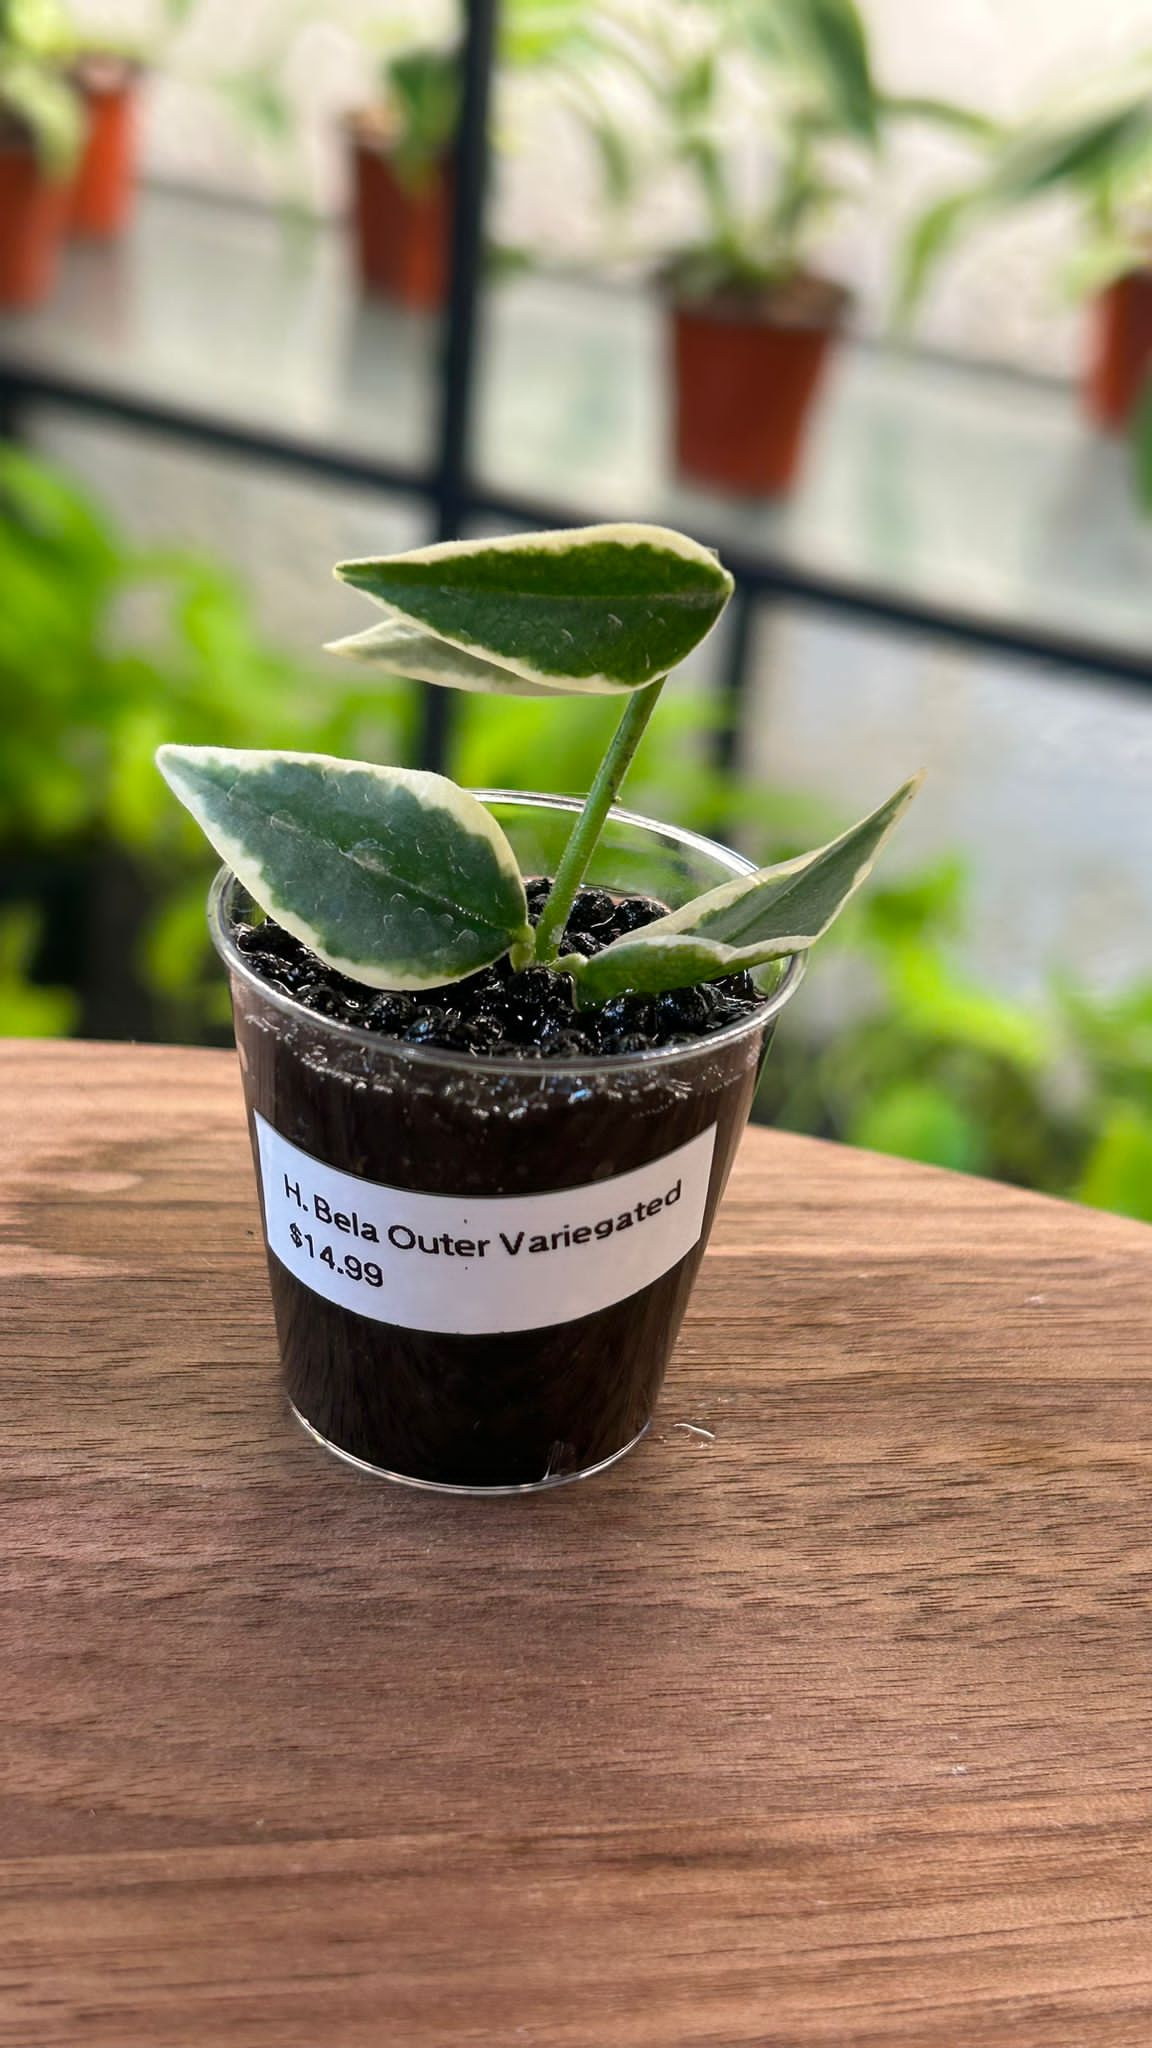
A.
x: 39, y: 101
x: 593, y: 608
x: 28, y: 1010
x: 1082, y: 147
x: 931, y: 237
x: 827, y: 41
x: 408, y: 651
x: 1098, y: 144
x: 919, y: 1120
x: 422, y: 95
x: 394, y: 877
x: 937, y: 113
x: 536, y: 32
x: 1118, y: 1175
x: 933, y: 999
x: 743, y: 924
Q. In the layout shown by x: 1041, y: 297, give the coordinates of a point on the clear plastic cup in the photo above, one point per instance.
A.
x: 479, y: 1266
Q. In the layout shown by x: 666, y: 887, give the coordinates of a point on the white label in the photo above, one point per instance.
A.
x: 469, y: 1264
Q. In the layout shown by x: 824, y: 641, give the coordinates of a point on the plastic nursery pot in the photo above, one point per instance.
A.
x: 1120, y: 353
x: 33, y: 211
x: 479, y: 1266
x: 104, y: 187
x: 745, y: 376
x: 402, y: 232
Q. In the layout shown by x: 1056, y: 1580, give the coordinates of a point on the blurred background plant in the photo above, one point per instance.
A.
x: 1089, y: 146
x: 800, y: 72
x: 673, y: 95
x: 36, y: 97
x: 105, y: 650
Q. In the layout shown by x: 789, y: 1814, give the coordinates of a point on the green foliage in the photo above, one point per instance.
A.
x: 822, y: 45
x: 1118, y: 1172
x: 86, y: 705
x: 37, y: 97
x: 28, y: 1011
x: 421, y: 99
x: 1092, y: 145
x: 929, y: 1064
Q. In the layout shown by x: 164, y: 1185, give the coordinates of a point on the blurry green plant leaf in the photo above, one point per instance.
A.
x: 929, y: 240
x: 539, y: 32
x: 938, y: 113
x: 616, y: 158
x: 422, y: 101
x: 826, y: 41
x: 1098, y: 146
x: 936, y: 1001
x: 593, y: 608
x: 746, y: 923
x: 915, y: 907
x: 392, y: 876
x: 1118, y: 1173
x: 921, y: 1121
x: 28, y: 1011
x: 41, y: 28
x: 37, y: 99
x: 1106, y: 139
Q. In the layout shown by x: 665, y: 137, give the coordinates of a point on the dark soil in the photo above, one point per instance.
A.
x: 501, y: 1014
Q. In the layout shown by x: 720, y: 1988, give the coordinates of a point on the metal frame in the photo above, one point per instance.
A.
x: 455, y: 497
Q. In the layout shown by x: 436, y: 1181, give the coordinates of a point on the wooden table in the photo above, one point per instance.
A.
x: 830, y: 1726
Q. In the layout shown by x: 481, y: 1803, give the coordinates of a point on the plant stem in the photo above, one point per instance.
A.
x: 589, y: 825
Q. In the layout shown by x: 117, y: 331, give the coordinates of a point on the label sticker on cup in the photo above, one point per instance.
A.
x: 472, y: 1265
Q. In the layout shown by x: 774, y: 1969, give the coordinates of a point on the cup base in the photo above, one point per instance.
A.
x: 444, y: 1486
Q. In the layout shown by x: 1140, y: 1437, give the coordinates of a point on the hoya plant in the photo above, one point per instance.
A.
x: 401, y: 880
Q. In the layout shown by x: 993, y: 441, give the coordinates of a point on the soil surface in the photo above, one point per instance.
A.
x: 512, y: 1407
x: 528, y: 1015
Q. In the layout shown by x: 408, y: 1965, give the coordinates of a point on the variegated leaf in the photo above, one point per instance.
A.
x: 396, y: 878
x: 745, y: 923
x: 594, y: 608
x: 404, y: 650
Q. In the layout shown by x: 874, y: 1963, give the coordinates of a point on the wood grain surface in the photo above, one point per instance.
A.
x: 831, y: 1727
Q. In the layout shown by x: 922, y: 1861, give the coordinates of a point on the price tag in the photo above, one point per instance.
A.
x: 473, y: 1264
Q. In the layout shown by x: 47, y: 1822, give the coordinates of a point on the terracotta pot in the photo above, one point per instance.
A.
x: 104, y: 187
x: 33, y: 212
x: 1121, y: 349
x: 745, y: 380
x: 403, y: 233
